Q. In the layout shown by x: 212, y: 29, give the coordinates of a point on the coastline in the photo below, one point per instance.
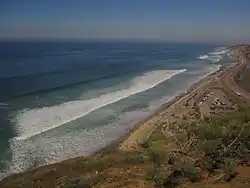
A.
x: 114, y: 165
x: 114, y: 145
x: 142, y: 130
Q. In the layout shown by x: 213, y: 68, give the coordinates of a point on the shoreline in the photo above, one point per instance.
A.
x: 209, y: 96
x: 115, y: 144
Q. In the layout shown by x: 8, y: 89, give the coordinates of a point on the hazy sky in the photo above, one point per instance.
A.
x: 170, y: 20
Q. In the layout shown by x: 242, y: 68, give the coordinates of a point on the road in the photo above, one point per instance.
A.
x: 229, y: 84
x: 222, y: 79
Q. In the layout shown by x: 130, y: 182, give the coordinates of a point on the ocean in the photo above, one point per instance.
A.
x: 61, y: 100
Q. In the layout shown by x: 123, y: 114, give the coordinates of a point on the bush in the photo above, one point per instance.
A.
x: 210, y: 146
x: 229, y: 169
x: 206, y: 119
x: 161, y: 175
x: 145, y: 145
x: 246, y: 133
x: 156, y: 136
x: 158, y: 175
x: 186, y: 169
x: 134, y: 159
x: 159, y: 157
x: 150, y: 174
x: 210, y: 131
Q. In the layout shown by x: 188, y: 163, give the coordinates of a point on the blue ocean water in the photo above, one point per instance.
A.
x: 60, y: 100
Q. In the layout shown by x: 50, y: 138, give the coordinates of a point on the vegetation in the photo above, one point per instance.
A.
x: 209, y: 150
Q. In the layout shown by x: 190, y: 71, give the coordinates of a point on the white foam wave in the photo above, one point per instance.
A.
x: 215, y: 56
x: 35, y: 121
x: 50, y: 149
x: 203, y: 57
x: 215, y: 59
x: 218, y: 53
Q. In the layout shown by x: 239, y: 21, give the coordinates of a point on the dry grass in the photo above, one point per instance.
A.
x: 207, y: 153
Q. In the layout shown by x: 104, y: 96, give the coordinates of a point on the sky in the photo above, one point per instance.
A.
x: 213, y: 21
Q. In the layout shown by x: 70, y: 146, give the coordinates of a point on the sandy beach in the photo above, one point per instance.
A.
x: 131, y: 141
x: 180, y: 105
x: 143, y: 128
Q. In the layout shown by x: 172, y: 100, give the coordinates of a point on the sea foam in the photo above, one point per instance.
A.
x: 203, y: 57
x: 215, y: 56
x: 31, y: 122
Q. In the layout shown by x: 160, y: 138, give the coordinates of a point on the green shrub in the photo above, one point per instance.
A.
x: 229, y: 169
x: 156, y: 136
x: 210, y: 146
x: 134, y: 159
x: 161, y: 175
x: 186, y: 169
x: 150, y: 174
x: 210, y: 131
x: 206, y: 119
x: 159, y: 157
x: 246, y: 133
x: 158, y: 175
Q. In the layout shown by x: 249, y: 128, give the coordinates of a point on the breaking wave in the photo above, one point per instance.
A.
x: 31, y: 122
x: 215, y: 56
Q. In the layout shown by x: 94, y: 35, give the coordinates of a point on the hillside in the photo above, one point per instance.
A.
x: 210, y: 152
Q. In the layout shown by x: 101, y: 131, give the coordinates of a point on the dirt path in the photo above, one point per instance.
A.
x: 230, y: 84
